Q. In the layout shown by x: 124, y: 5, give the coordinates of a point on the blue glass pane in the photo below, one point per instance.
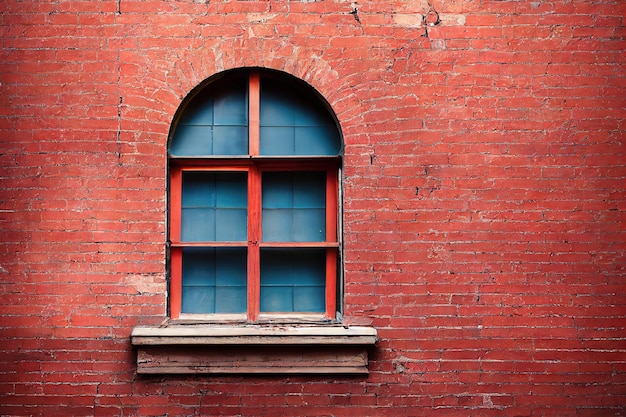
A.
x: 309, y: 190
x: 293, y: 280
x: 309, y: 114
x: 231, y: 267
x: 278, y: 140
x: 198, y: 189
x: 294, y: 207
x: 277, y: 225
x: 231, y: 190
x: 231, y: 225
x: 230, y: 140
x: 314, y: 140
x: 294, y: 225
x: 276, y: 299
x: 197, y: 225
x: 192, y: 141
x: 214, y: 122
x: 198, y: 266
x: 214, y: 207
x: 230, y: 107
x: 198, y: 112
x: 231, y: 299
x: 278, y: 105
x: 198, y: 300
x: 277, y: 190
x: 295, y: 122
x: 214, y: 280
x: 309, y: 299
x: 309, y: 225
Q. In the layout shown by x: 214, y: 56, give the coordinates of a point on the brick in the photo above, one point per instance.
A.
x: 482, y: 202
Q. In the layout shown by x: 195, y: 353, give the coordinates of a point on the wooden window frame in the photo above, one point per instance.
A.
x: 255, y: 165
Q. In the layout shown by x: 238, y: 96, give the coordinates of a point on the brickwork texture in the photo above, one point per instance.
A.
x: 484, y: 200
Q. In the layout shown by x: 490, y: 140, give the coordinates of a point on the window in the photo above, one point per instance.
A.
x: 254, y: 182
x: 254, y: 162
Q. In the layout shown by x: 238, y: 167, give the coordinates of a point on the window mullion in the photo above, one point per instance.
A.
x: 254, y: 114
x: 254, y: 236
x: 254, y: 200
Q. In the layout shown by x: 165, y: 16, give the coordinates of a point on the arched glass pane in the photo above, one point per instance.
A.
x: 215, y: 122
x: 294, y: 122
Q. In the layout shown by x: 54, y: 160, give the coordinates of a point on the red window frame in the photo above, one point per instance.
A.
x: 255, y: 165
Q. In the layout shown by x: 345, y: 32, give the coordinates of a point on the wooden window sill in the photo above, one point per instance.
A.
x: 253, y: 349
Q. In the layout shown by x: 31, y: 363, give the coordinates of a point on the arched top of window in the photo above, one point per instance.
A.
x: 255, y: 112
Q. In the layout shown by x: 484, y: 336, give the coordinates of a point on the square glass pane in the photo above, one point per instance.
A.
x: 230, y: 140
x: 277, y: 299
x: 293, y: 280
x: 276, y: 108
x: 230, y: 106
x: 198, y: 266
x: 231, y: 225
x: 197, y: 225
x: 231, y: 299
x: 308, y: 225
x: 277, y: 190
x: 309, y: 299
x: 231, y: 190
x: 309, y: 190
x: 231, y: 267
x: 277, y: 140
x: 294, y: 207
x: 214, y: 207
x: 214, y: 280
x: 198, y: 189
x: 198, y: 300
x: 278, y: 225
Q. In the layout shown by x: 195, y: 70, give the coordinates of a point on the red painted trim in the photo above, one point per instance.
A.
x: 176, y: 282
x: 176, y: 260
x: 331, y: 205
x: 254, y: 200
x: 254, y: 237
x: 331, y: 237
x: 216, y: 168
x: 254, y: 115
x: 208, y: 244
x: 331, y: 283
x: 299, y: 244
x: 176, y: 193
x: 266, y: 164
x: 292, y: 165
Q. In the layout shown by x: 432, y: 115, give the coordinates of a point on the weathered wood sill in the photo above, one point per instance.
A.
x: 249, y: 349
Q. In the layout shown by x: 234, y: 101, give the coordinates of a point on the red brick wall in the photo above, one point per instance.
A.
x: 484, y: 188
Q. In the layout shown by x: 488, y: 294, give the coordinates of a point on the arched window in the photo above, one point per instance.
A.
x: 254, y: 159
